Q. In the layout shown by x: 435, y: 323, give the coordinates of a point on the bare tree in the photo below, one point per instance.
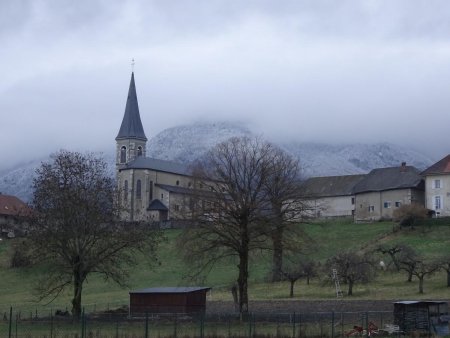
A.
x: 75, y: 230
x: 445, y: 265
x: 231, y: 209
x: 408, y: 259
x: 282, y: 189
x: 352, y: 268
x: 297, y: 268
x: 422, y: 269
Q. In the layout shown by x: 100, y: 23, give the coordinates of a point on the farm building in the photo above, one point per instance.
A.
x: 168, y: 300
x: 425, y: 316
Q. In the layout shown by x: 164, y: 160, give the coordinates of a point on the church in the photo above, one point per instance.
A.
x: 150, y: 189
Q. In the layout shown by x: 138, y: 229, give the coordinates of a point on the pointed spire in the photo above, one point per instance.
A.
x: 131, y: 124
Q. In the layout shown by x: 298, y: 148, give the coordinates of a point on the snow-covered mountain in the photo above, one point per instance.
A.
x: 329, y: 160
x: 187, y: 142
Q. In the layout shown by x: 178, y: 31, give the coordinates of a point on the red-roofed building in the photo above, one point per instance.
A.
x: 437, y: 187
x: 13, y: 213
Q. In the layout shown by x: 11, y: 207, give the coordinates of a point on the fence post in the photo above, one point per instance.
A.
x: 17, y: 319
x: 202, y: 324
x: 332, y: 324
x: 82, y: 324
x: 146, y: 324
x: 249, y: 325
x: 293, y: 326
x: 117, y: 328
x: 175, y: 326
x: 51, y: 324
x: 367, y: 324
x: 10, y: 321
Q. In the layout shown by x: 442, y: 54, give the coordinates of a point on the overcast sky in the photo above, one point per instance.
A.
x: 316, y: 71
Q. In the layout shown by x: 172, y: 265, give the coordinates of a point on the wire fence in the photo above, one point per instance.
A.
x: 119, y: 324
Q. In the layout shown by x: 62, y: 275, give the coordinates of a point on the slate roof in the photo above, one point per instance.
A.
x: 185, y: 289
x: 440, y: 167
x: 175, y: 188
x: 157, y: 205
x: 329, y: 186
x: 158, y: 165
x: 131, y: 126
x: 12, y: 206
x: 403, y: 177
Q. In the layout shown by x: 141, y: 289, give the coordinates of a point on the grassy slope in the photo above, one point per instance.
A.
x: 16, y: 284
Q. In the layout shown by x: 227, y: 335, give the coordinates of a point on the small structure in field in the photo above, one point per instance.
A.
x: 423, y: 316
x: 168, y: 300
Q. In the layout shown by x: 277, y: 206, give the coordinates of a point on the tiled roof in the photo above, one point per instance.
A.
x: 158, y: 165
x: 157, y: 205
x: 171, y: 289
x: 131, y: 126
x: 329, y: 186
x: 11, y: 205
x: 403, y: 177
x: 440, y: 167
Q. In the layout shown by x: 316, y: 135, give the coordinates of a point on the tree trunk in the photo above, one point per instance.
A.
x: 410, y: 275
x: 243, y: 283
x: 350, y: 288
x: 292, y: 289
x: 77, y: 289
x: 448, y: 278
x: 421, y: 284
x: 307, y: 280
x: 277, y: 256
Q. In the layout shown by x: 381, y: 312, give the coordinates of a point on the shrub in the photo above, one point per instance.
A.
x: 20, y: 255
x: 409, y: 214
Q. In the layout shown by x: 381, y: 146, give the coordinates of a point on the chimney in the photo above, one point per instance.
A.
x: 403, y: 167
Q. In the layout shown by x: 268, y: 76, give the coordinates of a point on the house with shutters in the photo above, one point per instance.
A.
x: 150, y: 189
x: 385, y: 189
x: 14, y: 215
x: 437, y: 187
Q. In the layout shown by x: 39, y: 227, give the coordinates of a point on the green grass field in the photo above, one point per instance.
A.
x: 16, y: 285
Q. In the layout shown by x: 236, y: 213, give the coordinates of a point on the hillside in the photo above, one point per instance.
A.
x: 186, y: 143
x: 329, y: 238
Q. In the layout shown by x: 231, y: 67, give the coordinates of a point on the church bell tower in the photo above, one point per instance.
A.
x: 131, y: 140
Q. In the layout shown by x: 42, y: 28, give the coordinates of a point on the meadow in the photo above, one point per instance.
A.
x: 17, y: 285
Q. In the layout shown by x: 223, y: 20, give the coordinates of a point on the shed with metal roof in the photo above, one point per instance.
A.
x: 190, y: 299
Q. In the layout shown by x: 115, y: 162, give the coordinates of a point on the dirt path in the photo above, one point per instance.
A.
x: 305, y: 306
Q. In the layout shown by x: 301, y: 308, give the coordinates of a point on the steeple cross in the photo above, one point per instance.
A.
x: 132, y: 65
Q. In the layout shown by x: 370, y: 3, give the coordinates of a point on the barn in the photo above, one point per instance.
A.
x: 168, y: 300
x: 424, y: 316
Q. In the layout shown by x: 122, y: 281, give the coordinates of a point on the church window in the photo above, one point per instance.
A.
x: 125, y: 191
x: 189, y: 184
x: 162, y: 196
x: 139, y: 151
x: 150, y: 193
x: 178, y: 182
x: 123, y: 154
x: 138, y: 189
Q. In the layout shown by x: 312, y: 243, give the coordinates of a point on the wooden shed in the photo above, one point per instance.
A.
x: 427, y: 316
x: 168, y: 300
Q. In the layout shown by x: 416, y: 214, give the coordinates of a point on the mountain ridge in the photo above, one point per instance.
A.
x: 185, y: 143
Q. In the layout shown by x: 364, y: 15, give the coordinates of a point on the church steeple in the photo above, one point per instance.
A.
x: 131, y: 140
x: 131, y: 127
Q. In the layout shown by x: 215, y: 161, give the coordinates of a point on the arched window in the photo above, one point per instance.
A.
x: 138, y: 189
x: 139, y: 151
x: 125, y: 191
x: 178, y: 182
x: 123, y: 154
